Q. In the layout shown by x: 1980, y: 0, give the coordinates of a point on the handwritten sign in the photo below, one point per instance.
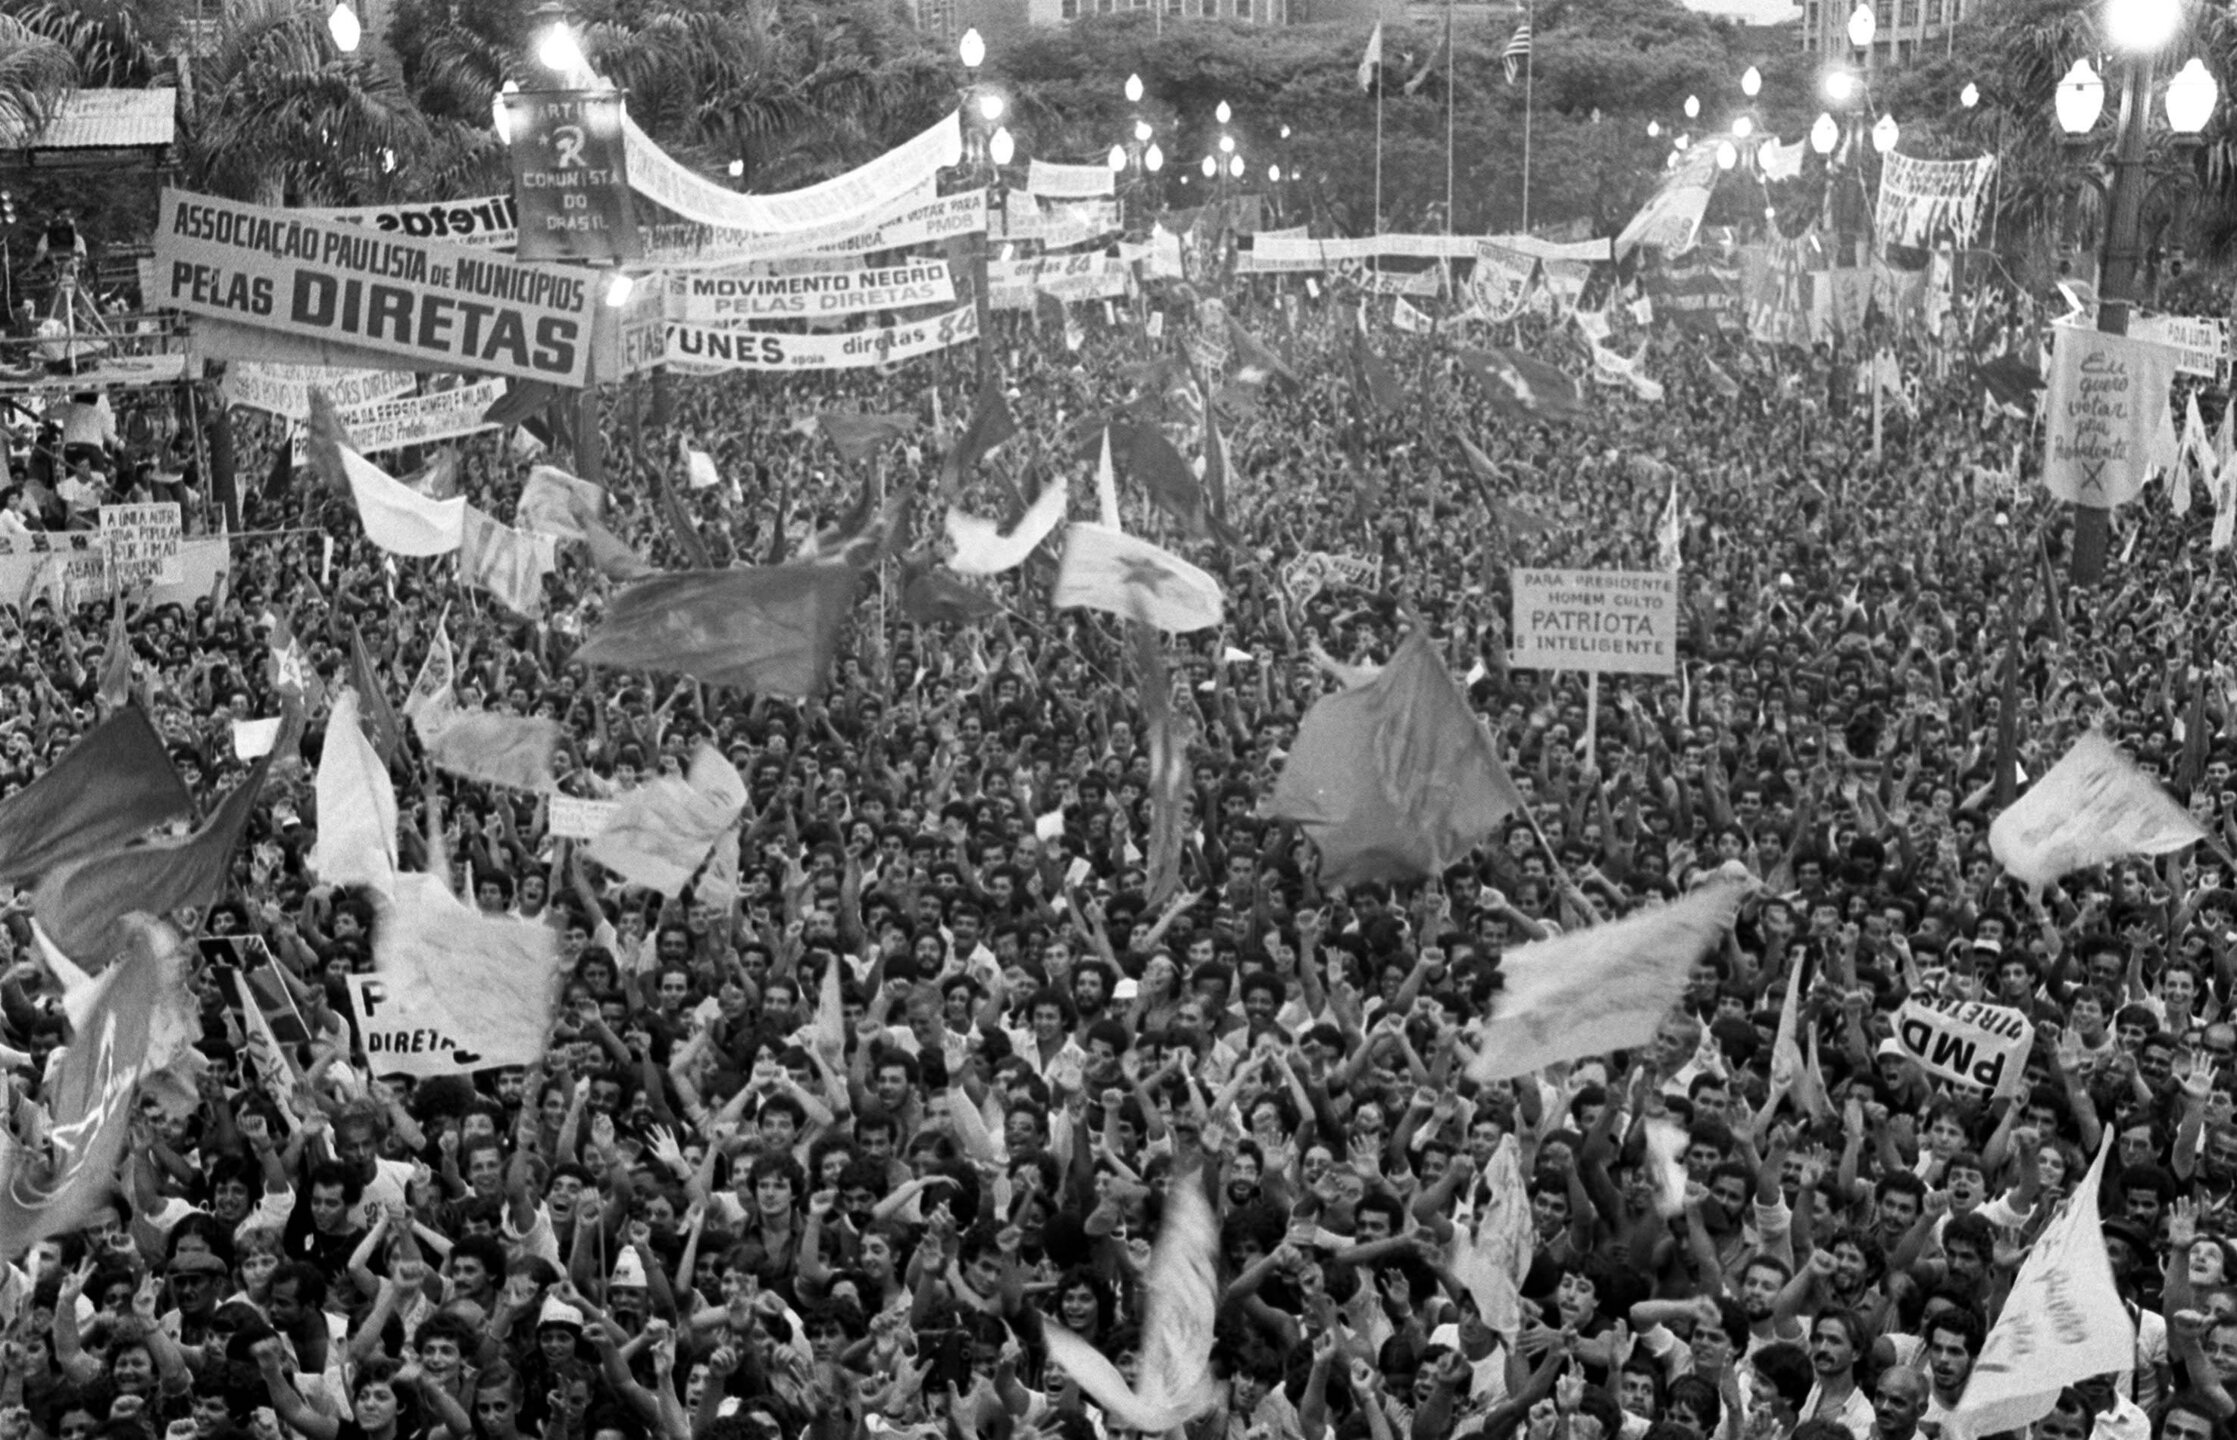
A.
x: 576, y: 819
x: 1613, y: 621
x: 143, y: 544
x: 2109, y: 417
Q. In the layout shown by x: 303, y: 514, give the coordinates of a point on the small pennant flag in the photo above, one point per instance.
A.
x: 1372, y: 61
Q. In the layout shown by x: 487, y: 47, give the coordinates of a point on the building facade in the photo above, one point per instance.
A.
x: 1908, y: 29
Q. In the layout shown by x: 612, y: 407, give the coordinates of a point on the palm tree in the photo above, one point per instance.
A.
x: 36, y: 74
x: 276, y: 114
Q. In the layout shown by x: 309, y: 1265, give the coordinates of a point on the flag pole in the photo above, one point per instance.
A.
x: 1378, y: 153
x: 1451, y: 91
x: 1529, y: 86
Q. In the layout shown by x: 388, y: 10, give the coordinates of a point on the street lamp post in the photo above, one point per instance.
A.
x: 2139, y: 30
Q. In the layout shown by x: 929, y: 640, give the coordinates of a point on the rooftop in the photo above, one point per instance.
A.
x: 103, y: 120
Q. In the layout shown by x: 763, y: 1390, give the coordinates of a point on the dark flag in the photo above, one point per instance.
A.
x: 1376, y: 379
x: 1145, y: 456
x: 2010, y: 384
x: 1515, y: 381
x: 1515, y: 520
x: 991, y: 424
x: 374, y: 711
x: 856, y: 436
x: 523, y: 401
x: 771, y: 629
x: 113, y: 786
x: 1394, y: 779
x: 930, y: 595
x: 79, y: 905
x: 90, y: 1099
x: 1168, y: 756
x: 688, y: 538
x: 281, y: 477
x: 1256, y: 362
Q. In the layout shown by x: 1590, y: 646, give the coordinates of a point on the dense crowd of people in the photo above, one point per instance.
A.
x: 705, y: 1214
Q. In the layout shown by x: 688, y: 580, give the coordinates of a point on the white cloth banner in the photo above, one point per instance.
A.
x: 489, y: 222
x: 1967, y: 1042
x: 453, y: 990
x: 1274, y: 251
x: 285, y: 390
x: 1499, y: 282
x: 1069, y: 182
x: 572, y: 818
x: 1055, y: 225
x: 415, y: 419
x: 1603, y: 988
x: 1921, y: 198
x: 1011, y: 284
x: 913, y: 218
x: 2063, y: 1322
x: 2093, y: 806
x: 254, y: 739
x: 725, y: 299
x: 657, y: 176
x: 1671, y: 218
x: 696, y: 348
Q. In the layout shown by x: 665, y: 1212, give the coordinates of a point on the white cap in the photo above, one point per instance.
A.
x: 555, y: 1312
x: 629, y: 1270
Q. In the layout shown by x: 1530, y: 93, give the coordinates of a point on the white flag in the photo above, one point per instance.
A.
x: 1106, y: 486
x: 982, y: 549
x: 398, y: 518
x: 1105, y: 569
x: 701, y: 466
x: 2063, y: 1322
x: 1182, y: 1296
x: 2092, y: 807
x: 355, y: 843
x: 1603, y: 988
x: 661, y: 831
x: 254, y: 739
x: 1669, y: 534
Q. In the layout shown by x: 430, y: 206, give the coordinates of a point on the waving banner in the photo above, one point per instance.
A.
x: 1921, y: 198
x: 1968, y: 1042
x: 914, y: 218
x: 1499, y: 282
x: 487, y: 223
x: 285, y: 390
x: 722, y: 299
x: 1671, y: 218
x: 1012, y: 284
x: 415, y: 419
x: 1069, y: 182
x: 656, y: 175
x: 439, y: 307
x: 698, y: 348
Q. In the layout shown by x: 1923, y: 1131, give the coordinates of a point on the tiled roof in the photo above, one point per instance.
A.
x: 104, y: 120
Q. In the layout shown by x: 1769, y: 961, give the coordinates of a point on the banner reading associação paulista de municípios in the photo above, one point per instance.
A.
x: 442, y: 307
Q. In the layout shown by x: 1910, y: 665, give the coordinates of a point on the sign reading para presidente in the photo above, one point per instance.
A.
x: 442, y: 307
x: 1614, y: 621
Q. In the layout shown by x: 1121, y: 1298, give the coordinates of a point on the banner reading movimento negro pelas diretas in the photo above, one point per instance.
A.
x: 442, y: 307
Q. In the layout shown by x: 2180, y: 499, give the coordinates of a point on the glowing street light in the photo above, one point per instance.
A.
x: 1885, y: 134
x: 1742, y: 127
x: 2191, y: 97
x: 1117, y: 159
x: 1142, y: 131
x: 1751, y: 83
x: 1210, y: 167
x: 1235, y: 166
x: 1133, y: 89
x: 972, y: 49
x: 1153, y: 159
x: 2142, y: 27
x: 990, y: 107
x: 1001, y: 147
x: 1693, y: 107
x: 1839, y: 87
x: 1970, y: 96
x: 343, y: 25
x: 1226, y: 144
x: 1223, y: 114
x: 1654, y: 129
x: 1728, y: 155
x: 2080, y: 98
x: 558, y: 51
x: 1825, y: 134
x: 1863, y: 25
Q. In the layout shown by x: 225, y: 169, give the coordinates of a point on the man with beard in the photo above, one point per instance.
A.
x: 1091, y: 997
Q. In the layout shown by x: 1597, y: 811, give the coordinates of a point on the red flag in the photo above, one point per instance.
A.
x: 1376, y: 378
x: 991, y: 424
x: 930, y: 595
x: 1143, y: 454
x: 91, y: 1099
x: 374, y: 709
x: 856, y: 436
x: 79, y: 905
x: 114, y: 785
x: 771, y: 629
x: 1394, y: 780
